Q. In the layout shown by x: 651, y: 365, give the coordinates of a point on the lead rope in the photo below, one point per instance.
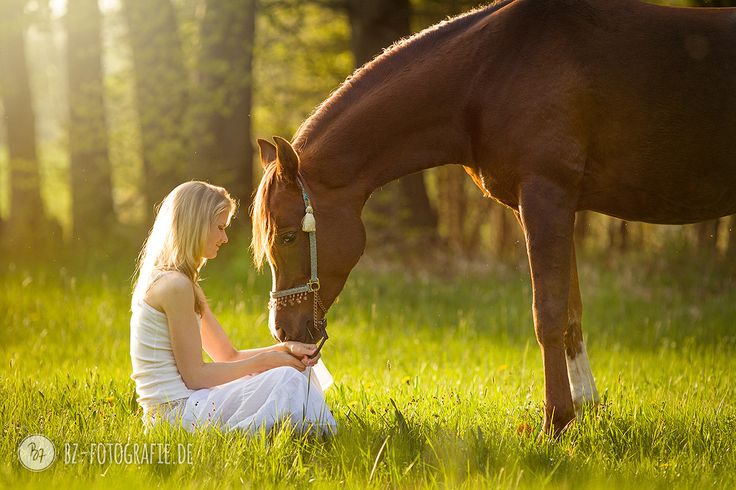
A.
x: 317, y: 304
x: 279, y: 299
x: 306, y: 402
x: 309, y: 225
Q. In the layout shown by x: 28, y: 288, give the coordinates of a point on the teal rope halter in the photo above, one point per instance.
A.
x: 296, y: 295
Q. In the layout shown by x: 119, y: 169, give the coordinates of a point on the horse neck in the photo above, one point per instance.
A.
x: 407, y: 111
x: 402, y: 129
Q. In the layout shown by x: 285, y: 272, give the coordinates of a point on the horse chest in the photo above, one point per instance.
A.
x: 498, y: 185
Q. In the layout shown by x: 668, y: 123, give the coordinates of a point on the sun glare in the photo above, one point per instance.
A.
x: 58, y: 7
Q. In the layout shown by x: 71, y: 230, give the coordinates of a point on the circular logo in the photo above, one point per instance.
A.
x: 36, y: 452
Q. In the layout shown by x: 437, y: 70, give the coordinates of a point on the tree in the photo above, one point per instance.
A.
x: 91, y: 180
x: 27, y: 218
x: 161, y: 85
x: 731, y: 248
x: 707, y: 236
x: 374, y: 26
x: 582, y: 223
x: 223, y: 98
x: 618, y: 234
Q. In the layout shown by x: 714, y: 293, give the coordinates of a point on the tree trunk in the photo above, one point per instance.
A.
x: 582, y: 222
x: 91, y: 180
x: 161, y: 96
x: 618, y: 235
x: 731, y: 248
x: 506, y: 237
x: 477, y: 214
x: 27, y: 219
x: 224, y: 96
x: 707, y: 236
x: 450, y: 204
x: 374, y: 26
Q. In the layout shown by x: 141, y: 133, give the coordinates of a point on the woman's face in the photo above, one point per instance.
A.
x: 217, y: 235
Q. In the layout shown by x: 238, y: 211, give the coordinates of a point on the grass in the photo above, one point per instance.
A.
x: 438, y: 381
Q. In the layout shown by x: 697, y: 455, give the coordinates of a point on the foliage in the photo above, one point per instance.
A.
x: 302, y: 54
x: 222, y: 97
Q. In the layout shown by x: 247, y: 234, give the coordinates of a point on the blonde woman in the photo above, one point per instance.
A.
x: 171, y: 323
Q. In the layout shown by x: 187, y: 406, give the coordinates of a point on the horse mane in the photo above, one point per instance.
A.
x: 263, y: 227
x: 370, y: 75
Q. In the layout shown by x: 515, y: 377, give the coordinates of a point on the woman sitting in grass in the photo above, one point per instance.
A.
x: 172, y: 322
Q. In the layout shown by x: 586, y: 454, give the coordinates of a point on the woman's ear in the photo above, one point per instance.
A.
x: 287, y: 159
x: 268, y: 152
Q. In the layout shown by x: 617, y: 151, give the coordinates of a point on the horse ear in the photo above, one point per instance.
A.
x: 268, y: 152
x: 287, y: 158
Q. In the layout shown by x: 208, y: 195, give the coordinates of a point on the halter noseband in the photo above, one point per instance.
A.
x: 296, y: 295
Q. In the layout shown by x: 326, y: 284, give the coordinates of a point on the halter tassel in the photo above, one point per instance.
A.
x: 308, y: 223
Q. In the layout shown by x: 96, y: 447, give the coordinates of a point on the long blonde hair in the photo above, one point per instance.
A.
x: 179, y: 235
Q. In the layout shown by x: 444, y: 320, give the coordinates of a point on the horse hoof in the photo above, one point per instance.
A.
x: 556, y: 427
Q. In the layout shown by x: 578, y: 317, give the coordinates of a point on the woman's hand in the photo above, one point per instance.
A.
x: 302, y: 352
x: 277, y: 358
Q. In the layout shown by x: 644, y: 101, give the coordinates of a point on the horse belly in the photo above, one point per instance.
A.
x: 661, y: 193
x: 662, y: 125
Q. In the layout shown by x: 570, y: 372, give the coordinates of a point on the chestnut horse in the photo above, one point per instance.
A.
x: 552, y: 107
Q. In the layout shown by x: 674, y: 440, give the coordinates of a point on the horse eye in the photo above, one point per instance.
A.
x: 287, y: 238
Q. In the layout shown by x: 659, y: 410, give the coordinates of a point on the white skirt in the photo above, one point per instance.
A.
x: 253, y: 402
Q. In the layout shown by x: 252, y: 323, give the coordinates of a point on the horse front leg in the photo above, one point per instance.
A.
x: 582, y: 384
x: 547, y: 212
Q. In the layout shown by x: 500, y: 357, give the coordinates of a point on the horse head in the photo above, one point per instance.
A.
x: 311, y: 237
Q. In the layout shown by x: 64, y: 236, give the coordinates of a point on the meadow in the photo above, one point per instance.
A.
x: 438, y: 380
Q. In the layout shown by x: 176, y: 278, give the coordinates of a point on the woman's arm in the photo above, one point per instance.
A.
x: 214, y: 339
x: 176, y: 297
x: 296, y: 349
x: 218, y: 346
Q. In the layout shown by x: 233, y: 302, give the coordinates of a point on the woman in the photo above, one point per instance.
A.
x: 172, y: 322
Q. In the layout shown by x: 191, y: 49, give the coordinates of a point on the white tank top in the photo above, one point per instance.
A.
x: 157, y: 379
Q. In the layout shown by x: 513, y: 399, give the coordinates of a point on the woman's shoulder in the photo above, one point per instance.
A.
x: 170, y: 286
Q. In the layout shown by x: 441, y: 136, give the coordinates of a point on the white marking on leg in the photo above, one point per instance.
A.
x: 582, y: 384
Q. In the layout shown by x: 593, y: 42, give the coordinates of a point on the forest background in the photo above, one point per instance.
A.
x: 107, y: 105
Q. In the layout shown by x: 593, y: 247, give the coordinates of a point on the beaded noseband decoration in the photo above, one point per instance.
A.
x: 296, y: 295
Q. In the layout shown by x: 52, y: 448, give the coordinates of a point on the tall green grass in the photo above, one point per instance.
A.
x: 438, y: 381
